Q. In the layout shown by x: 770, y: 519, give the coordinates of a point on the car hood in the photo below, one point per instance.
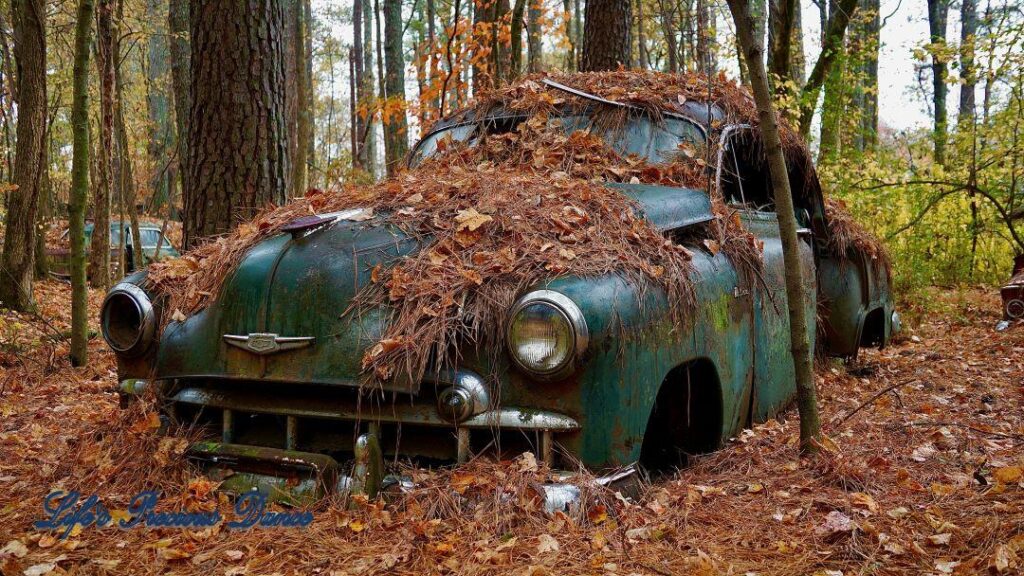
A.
x: 300, y: 287
x: 294, y: 288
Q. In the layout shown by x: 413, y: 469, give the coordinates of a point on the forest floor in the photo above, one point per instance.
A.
x: 922, y: 473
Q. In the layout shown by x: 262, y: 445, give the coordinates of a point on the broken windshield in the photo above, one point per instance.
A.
x: 657, y: 142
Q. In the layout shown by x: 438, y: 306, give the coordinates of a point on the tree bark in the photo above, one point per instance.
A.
x: 161, y: 132
x: 396, y: 128
x: 181, y: 73
x: 534, y: 45
x: 359, y: 119
x: 99, y: 248
x: 810, y: 426
x: 937, y: 13
x: 80, y: 183
x: 368, y: 101
x: 668, y: 28
x: 300, y: 163
x: 30, y: 153
x: 606, y: 35
x: 516, y: 34
x: 781, y: 16
x: 968, y: 32
x: 238, y: 135
x: 868, y: 87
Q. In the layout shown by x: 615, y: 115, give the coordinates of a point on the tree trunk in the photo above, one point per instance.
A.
x: 534, y: 44
x: 641, y: 37
x: 483, y: 17
x: 300, y: 162
x: 937, y: 12
x: 968, y: 32
x: 181, y: 73
x: 798, y: 63
x: 668, y: 28
x: 396, y: 127
x: 868, y: 85
x: 160, y: 130
x: 127, y: 191
x: 810, y: 427
x: 359, y: 119
x: 99, y: 248
x: 704, y: 51
x: 781, y: 16
x: 832, y: 46
x: 570, y: 35
x: 368, y: 100
x: 80, y: 183
x: 499, y: 47
x: 238, y: 136
x: 606, y: 35
x: 45, y: 211
x: 29, y: 157
x: 516, y: 34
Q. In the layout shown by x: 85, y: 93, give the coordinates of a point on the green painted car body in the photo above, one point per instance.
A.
x: 273, y: 364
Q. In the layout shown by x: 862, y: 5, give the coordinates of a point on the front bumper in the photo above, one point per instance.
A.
x: 301, y: 443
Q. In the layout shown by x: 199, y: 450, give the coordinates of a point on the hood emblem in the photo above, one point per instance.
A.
x: 264, y: 343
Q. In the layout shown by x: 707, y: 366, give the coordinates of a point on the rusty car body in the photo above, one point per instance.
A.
x: 155, y: 246
x: 1013, y: 292
x: 273, y: 371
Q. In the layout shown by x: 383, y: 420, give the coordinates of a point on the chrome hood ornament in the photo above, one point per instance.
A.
x: 264, y: 343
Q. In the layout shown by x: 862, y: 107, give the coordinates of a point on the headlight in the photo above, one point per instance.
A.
x: 127, y: 319
x: 546, y: 333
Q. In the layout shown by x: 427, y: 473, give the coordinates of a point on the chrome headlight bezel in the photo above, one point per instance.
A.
x: 127, y: 294
x: 571, y: 312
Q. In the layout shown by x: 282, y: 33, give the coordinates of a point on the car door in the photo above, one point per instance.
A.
x: 745, y: 184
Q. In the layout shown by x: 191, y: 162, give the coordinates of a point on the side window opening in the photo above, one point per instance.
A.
x: 746, y: 181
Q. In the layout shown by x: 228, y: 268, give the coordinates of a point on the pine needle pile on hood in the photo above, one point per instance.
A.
x: 494, y: 217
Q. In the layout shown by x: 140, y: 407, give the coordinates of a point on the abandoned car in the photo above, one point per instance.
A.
x: 1013, y: 292
x: 593, y: 370
x: 155, y: 246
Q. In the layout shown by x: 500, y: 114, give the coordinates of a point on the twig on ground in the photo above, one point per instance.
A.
x: 871, y: 400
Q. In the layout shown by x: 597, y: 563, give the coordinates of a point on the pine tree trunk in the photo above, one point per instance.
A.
x: 359, y: 120
x: 869, y: 74
x: 807, y: 403
x: 781, y: 16
x: 534, y: 45
x: 181, y: 74
x: 238, y: 134
x: 80, y: 183
x: 396, y: 129
x: 367, y: 101
x: 798, y: 62
x: 99, y: 248
x: 500, y: 48
x: 968, y: 32
x: 937, y: 12
x: 516, y: 33
x: 300, y: 162
x: 45, y: 211
x: 606, y: 35
x: 160, y: 130
x: 668, y: 29
x: 126, y: 184
x: 30, y: 153
x: 570, y: 35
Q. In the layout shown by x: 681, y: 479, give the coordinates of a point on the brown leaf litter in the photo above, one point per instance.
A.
x: 927, y: 479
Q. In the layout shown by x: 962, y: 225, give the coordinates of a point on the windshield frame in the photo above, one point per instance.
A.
x: 507, y: 115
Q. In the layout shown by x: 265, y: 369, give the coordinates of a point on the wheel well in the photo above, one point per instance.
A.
x: 873, y: 333
x: 686, y: 418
